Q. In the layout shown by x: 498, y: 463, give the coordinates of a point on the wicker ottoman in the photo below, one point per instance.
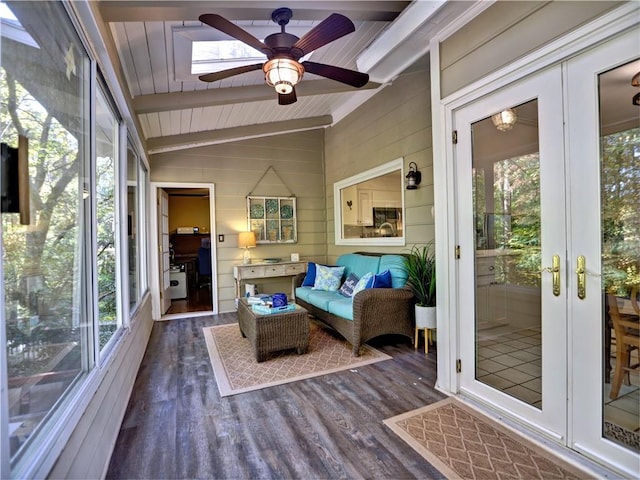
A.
x: 274, y: 332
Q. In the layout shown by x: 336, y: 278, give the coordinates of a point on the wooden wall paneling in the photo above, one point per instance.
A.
x: 507, y: 31
x: 394, y: 123
x: 235, y: 168
x: 88, y: 451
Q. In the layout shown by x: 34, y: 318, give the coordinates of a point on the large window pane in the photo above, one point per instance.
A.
x: 133, y: 224
x: 142, y: 232
x: 106, y: 157
x: 44, y: 75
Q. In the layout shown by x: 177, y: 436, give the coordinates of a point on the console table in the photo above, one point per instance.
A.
x: 256, y: 271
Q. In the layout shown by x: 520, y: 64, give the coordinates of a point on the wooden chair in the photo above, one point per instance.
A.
x: 627, y: 340
x: 634, y: 299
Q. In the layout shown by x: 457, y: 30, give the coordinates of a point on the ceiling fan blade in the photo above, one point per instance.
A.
x: 231, y: 29
x: 230, y: 72
x: 287, y: 98
x: 343, y: 75
x: 330, y: 29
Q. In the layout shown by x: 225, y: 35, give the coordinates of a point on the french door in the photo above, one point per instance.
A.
x: 548, y: 214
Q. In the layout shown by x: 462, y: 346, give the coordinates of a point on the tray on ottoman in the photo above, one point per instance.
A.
x: 275, y: 331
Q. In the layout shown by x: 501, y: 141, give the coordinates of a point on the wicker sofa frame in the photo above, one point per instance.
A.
x: 376, y: 312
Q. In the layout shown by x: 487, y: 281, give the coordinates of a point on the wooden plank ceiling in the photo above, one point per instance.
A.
x: 176, y: 110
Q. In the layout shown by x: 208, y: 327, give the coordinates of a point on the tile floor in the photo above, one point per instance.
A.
x: 510, y: 360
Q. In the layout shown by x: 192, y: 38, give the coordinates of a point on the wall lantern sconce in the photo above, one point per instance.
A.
x: 505, y: 120
x: 414, y: 177
x: 246, y: 240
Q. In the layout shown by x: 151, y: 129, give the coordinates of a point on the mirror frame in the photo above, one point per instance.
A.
x: 392, y: 166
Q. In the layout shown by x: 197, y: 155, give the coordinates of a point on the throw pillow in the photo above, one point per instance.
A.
x: 328, y: 278
x: 380, y: 280
x: 310, y: 277
x: 349, y: 284
x: 362, y: 283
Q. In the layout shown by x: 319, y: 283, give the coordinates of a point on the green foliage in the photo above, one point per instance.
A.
x: 421, y: 266
x: 43, y: 262
x: 620, y: 211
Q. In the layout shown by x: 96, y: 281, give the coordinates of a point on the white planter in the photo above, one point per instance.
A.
x: 425, y: 317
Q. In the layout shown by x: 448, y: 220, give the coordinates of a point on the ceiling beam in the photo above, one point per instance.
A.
x: 166, y: 102
x: 213, y: 137
x: 147, y: 11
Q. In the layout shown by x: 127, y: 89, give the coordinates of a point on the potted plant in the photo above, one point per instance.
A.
x: 421, y: 268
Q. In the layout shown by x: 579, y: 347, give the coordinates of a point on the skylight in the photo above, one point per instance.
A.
x: 11, y: 27
x: 214, y: 56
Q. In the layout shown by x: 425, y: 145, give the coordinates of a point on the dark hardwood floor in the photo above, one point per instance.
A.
x: 328, y: 427
x: 198, y: 300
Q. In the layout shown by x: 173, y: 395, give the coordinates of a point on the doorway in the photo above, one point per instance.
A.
x: 547, y: 175
x: 186, y: 262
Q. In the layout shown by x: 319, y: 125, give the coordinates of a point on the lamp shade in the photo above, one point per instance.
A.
x: 246, y: 240
x: 283, y: 74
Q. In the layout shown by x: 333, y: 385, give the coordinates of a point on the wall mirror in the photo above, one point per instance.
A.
x: 369, y: 206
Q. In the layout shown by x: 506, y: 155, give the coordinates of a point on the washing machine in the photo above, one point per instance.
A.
x: 178, y: 283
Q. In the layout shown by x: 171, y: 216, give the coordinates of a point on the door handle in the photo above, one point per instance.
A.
x: 554, y: 269
x: 581, y: 271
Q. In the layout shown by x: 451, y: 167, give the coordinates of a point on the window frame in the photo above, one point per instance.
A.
x: 101, y: 89
x: 389, y: 167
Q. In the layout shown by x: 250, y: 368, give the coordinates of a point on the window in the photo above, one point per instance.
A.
x: 132, y: 225
x: 369, y: 207
x: 44, y: 91
x: 62, y: 307
x: 143, y: 181
x: 137, y: 180
x: 215, y: 56
x: 203, y: 49
x: 107, y: 129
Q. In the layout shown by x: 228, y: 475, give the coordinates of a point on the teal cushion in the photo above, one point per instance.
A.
x: 362, y: 283
x: 321, y: 299
x: 342, y: 308
x: 328, y: 278
x: 303, y: 293
x: 397, y: 265
x: 358, y: 264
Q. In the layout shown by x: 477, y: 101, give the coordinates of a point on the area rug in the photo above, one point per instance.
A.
x: 463, y: 443
x: 237, y: 371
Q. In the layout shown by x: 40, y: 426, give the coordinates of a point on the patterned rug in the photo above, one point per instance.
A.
x: 463, y: 443
x: 237, y: 371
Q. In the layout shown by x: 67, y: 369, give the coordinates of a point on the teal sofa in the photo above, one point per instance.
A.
x: 369, y: 313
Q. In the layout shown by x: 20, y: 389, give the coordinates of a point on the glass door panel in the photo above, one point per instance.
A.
x: 506, y: 204
x: 620, y: 257
x: 603, y: 187
x: 512, y: 224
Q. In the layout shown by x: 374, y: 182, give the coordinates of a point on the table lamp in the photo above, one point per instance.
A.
x: 246, y: 240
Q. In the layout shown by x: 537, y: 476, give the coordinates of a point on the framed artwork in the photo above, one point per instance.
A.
x: 272, y: 219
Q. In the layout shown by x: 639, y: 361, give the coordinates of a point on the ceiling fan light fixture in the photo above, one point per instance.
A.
x: 505, y: 120
x: 283, y: 74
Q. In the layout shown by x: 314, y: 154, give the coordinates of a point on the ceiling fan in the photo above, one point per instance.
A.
x: 283, y: 70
